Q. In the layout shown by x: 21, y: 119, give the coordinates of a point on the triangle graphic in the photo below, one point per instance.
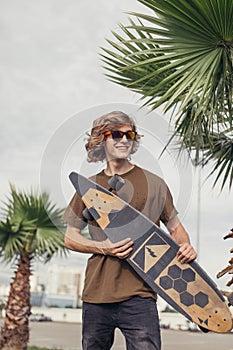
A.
x: 152, y: 254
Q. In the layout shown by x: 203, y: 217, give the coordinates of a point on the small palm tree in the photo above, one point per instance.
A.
x: 31, y: 229
x: 181, y: 56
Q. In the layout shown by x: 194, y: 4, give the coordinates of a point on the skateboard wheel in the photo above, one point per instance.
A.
x: 87, y: 215
x: 116, y: 182
x: 204, y: 330
x: 230, y: 299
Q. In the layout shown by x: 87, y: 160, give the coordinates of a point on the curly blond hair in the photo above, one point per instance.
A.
x: 95, y: 141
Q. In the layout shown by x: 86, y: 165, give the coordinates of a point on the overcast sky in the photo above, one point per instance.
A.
x: 53, y: 86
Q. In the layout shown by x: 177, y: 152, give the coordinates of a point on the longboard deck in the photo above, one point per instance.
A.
x: 186, y: 287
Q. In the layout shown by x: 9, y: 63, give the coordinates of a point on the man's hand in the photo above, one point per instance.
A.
x: 186, y: 253
x: 120, y: 249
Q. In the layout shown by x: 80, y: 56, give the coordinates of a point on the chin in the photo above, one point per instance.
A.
x: 124, y: 156
x: 120, y: 157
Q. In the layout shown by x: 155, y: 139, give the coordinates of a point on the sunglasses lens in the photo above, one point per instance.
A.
x: 130, y: 135
x: 117, y: 134
x: 107, y: 133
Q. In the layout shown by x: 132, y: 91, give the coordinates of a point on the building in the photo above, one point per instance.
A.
x: 57, y: 286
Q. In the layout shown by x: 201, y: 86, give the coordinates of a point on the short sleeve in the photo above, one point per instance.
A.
x: 73, y: 213
x: 169, y: 211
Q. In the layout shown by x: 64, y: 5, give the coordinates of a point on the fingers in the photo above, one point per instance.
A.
x: 186, y: 253
x: 120, y: 249
x: 122, y: 243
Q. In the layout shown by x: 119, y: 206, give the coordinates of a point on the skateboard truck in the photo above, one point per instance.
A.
x: 115, y: 183
x: 87, y: 215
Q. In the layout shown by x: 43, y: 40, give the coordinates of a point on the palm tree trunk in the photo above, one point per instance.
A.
x: 15, y: 332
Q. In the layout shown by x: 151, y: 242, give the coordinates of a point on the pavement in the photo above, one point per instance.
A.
x: 67, y: 336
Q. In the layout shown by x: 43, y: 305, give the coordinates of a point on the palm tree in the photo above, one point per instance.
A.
x: 31, y: 229
x: 181, y: 57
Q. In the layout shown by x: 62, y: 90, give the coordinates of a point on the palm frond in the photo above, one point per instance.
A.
x: 221, y: 153
x: 32, y: 225
x: 180, y: 56
x: 177, y: 31
x: 216, y: 148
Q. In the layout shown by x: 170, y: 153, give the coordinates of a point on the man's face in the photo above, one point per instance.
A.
x: 118, y: 148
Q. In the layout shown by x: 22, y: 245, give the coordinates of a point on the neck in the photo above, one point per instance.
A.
x: 118, y: 166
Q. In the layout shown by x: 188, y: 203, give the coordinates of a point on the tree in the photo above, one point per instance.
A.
x: 31, y: 229
x: 181, y: 57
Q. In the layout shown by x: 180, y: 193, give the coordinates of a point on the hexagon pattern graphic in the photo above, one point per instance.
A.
x: 178, y: 280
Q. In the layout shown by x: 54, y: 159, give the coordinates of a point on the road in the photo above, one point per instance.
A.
x: 67, y: 336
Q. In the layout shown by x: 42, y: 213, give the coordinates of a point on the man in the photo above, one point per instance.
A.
x: 114, y: 295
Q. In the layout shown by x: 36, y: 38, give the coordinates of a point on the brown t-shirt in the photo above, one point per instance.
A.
x: 109, y: 279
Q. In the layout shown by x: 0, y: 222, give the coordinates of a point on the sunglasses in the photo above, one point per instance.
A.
x: 117, y: 134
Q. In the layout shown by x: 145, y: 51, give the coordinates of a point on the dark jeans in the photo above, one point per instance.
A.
x: 137, y: 318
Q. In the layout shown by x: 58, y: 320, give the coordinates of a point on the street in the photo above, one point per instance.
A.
x: 67, y: 336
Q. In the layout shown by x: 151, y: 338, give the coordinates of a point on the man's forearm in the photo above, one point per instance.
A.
x: 75, y: 241
x: 186, y: 252
x: 180, y: 235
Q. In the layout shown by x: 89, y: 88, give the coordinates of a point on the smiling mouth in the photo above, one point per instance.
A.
x: 122, y: 148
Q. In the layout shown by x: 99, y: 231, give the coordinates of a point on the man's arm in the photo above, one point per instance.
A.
x: 186, y: 252
x: 75, y: 241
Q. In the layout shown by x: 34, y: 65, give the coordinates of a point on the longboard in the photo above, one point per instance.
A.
x: 186, y: 287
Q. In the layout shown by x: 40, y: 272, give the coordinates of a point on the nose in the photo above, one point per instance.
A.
x: 124, y: 139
